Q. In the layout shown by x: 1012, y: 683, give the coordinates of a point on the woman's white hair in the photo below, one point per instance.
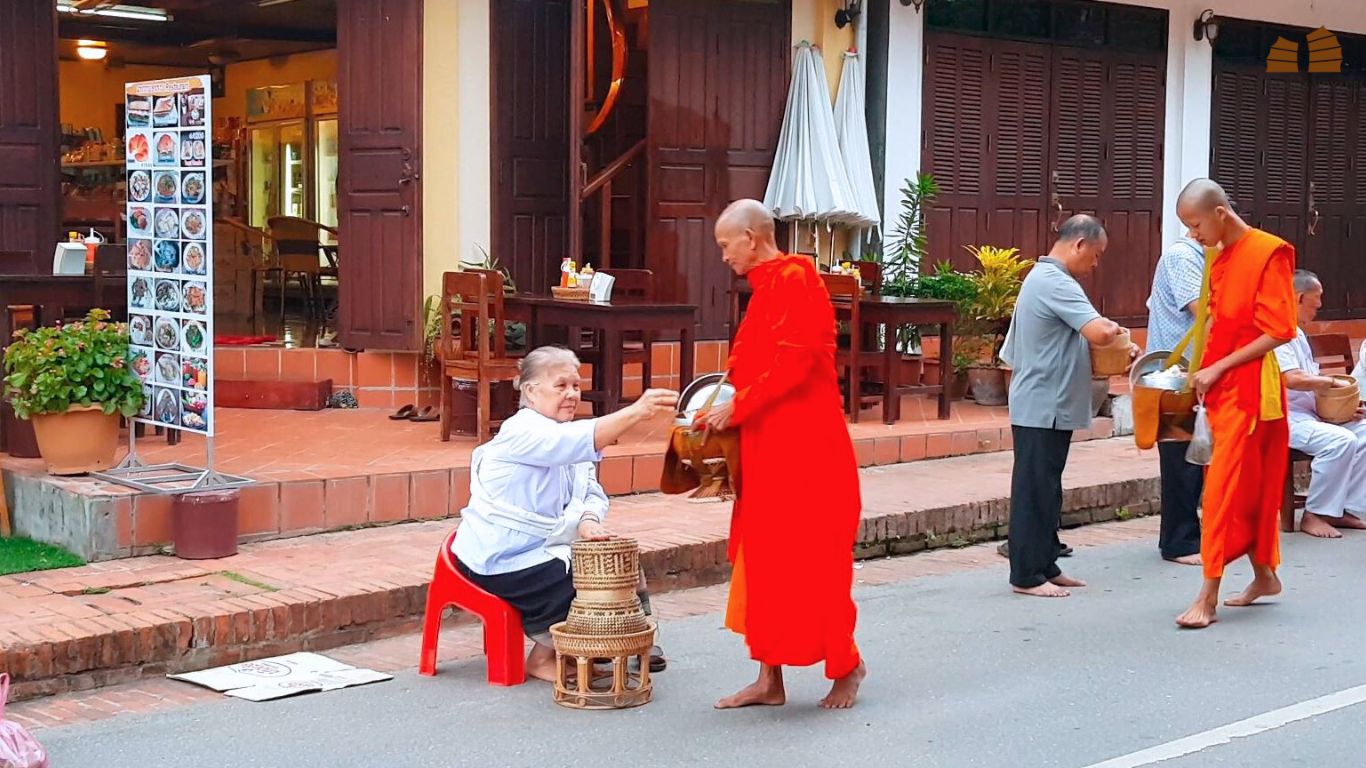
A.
x: 537, y: 363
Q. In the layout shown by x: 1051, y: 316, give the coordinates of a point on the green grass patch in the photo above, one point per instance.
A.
x: 237, y: 577
x: 21, y: 555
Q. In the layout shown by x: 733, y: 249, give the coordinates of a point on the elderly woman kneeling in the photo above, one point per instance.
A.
x: 534, y: 490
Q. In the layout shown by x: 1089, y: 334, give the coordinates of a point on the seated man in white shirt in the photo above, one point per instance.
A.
x: 1360, y: 371
x: 534, y: 490
x: 1337, y: 488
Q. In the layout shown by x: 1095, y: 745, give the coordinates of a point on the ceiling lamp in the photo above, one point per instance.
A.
x: 91, y: 50
x: 137, y: 12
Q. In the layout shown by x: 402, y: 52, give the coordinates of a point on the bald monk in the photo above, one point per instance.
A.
x: 797, y: 511
x: 1252, y: 312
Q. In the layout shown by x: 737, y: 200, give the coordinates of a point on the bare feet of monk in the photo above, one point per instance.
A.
x: 1314, y: 525
x: 1264, y: 584
x: 1201, y: 614
x: 767, y: 691
x: 1348, y: 520
x: 1186, y: 560
x: 1045, y: 589
x: 845, y: 690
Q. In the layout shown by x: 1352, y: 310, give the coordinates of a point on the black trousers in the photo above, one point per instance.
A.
x: 1036, y: 503
x: 1182, y: 485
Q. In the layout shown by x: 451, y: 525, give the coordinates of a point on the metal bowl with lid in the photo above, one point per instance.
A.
x: 1154, y: 362
x: 695, y: 395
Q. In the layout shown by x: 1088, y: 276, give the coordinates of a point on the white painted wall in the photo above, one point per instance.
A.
x: 905, y: 99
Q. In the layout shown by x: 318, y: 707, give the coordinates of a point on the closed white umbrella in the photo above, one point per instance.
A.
x: 808, y: 182
x: 851, y: 131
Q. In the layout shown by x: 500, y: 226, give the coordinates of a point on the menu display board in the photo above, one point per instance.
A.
x: 170, y: 250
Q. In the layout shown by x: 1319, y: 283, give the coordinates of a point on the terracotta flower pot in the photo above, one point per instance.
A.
x: 84, y: 439
x: 988, y: 385
x: 958, y: 385
x: 912, y: 368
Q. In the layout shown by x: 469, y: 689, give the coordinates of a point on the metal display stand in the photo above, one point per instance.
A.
x: 168, y: 478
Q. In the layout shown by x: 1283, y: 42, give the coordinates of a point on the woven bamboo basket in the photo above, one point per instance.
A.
x: 1339, y: 405
x: 623, y: 617
x: 1112, y: 359
x: 612, y: 565
x: 570, y: 294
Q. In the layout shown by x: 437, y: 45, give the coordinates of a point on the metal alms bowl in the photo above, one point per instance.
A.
x: 1151, y: 363
x: 695, y: 395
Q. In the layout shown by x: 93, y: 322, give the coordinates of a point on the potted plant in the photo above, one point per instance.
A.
x: 901, y: 264
x: 986, y: 318
x: 74, y: 382
x: 945, y: 284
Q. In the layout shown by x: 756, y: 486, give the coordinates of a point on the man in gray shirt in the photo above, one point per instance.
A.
x: 1171, y: 313
x: 1050, y: 396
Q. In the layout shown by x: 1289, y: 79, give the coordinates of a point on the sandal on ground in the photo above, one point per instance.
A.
x: 404, y: 413
x: 428, y: 413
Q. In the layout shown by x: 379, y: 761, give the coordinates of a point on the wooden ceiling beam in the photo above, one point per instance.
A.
x: 187, y: 33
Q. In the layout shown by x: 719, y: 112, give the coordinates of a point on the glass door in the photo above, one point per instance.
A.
x: 325, y: 186
x: 293, y: 174
x: 264, y: 181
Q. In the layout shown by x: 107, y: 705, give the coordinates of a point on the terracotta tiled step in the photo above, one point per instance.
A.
x: 81, y: 627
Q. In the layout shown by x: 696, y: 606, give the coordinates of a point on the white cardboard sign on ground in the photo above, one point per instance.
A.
x: 281, y: 676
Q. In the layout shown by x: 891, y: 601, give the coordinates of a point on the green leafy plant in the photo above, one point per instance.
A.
x: 910, y: 237
x: 85, y: 363
x: 984, y: 318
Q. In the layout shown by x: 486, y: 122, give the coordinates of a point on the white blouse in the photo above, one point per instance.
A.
x: 1360, y: 371
x: 530, y: 487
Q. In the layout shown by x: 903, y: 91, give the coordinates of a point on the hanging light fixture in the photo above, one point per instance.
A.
x: 848, y: 12
x: 917, y: 3
x: 136, y: 12
x: 91, y: 50
x: 1207, y: 27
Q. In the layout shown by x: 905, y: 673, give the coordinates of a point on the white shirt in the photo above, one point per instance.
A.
x: 530, y: 486
x: 1293, y: 355
x: 1360, y: 371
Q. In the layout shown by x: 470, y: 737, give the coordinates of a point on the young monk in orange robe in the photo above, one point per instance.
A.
x: 797, y: 511
x: 1252, y: 311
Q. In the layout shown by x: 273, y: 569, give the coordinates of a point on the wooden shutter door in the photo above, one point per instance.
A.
x: 1286, y: 164
x: 380, y: 123
x: 1017, y: 168
x: 531, y: 139
x: 1356, y: 224
x: 1081, y: 122
x: 1133, y: 210
x: 1327, y: 236
x: 29, y: 204
x: 1237, y: 142
x: 954, y: 144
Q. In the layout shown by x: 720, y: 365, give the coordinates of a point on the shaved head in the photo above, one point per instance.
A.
x: 745, y: 235
x: 746, y: 214
x: 1203, y: 195
x: 1205, y: 209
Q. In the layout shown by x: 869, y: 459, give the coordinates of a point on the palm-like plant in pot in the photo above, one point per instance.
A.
x: 74, y: 382
x: 986, y: 317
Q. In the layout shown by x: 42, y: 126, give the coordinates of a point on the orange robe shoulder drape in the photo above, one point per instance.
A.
x: 797, y: 514
x: 1250, y: 295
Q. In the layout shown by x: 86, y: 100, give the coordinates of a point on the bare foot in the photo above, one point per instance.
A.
x: 541, y: 667
x: 1201, y: 614
x: 1067, y: 581
x: 1314, y: 525
x: 1348, y: 520
x: 1263, y: 585
x: 1043, y: 590
x: 767, y: 691
x: 1186, y: 560
x: 845, y: 690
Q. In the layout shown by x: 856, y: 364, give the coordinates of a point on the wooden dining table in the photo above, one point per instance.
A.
x: 55, y: 295
x: 551, y: 320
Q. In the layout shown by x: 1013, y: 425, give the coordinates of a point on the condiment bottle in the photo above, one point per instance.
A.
x: 92, y: 241
x: 565, y: 267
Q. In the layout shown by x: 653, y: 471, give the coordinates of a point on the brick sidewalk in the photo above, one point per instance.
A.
x: 111, y: 622
x: 462, y: 642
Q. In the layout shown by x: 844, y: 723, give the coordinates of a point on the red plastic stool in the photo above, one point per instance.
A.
x: 503, y: 639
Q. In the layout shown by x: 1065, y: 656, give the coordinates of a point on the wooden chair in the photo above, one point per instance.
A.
x: 845, y: 293
x: 1332, y: 351
x: 476, y: 354
x: 637, y: 285
x: 297, y: 244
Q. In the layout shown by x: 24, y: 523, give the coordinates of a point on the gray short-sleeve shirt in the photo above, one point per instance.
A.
x: 1051, y: 384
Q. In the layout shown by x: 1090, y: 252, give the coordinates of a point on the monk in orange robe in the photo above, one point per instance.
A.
x: 1252, y: 311
x: 797, y: 511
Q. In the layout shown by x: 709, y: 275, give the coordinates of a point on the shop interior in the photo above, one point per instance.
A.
x: 274, y: 144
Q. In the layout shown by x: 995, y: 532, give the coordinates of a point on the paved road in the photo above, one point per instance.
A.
x: 962, y: 674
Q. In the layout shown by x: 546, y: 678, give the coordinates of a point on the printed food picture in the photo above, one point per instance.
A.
x: 167, y: 407
x: 139, y: 186
x: 140, y: 330
x: 196, y: 373
x: 194, y: 224
x: 193, y: 149
x: 194, y: 337
x: 166, y: 186
x: 139, y: 147
x: 139, y: 221
x: 195, y: 406
x: 168, y: 368
x: 140, y: 293
x: 192, y: 260
x: 192, y: 188
x: 168, y: 296
x: 138, y: 111
x: 140, y: 360
x: 167, y: 223
x: 140, y: 255
x: 146, y: 410
x: 166, y: 149
x: 164, y: 112
x: 192, y: 108
x: 196, y: 298
x: 167, y: 255
x: 168, y: 333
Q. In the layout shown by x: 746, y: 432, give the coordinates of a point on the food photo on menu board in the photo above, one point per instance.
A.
x: 170, y: 247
